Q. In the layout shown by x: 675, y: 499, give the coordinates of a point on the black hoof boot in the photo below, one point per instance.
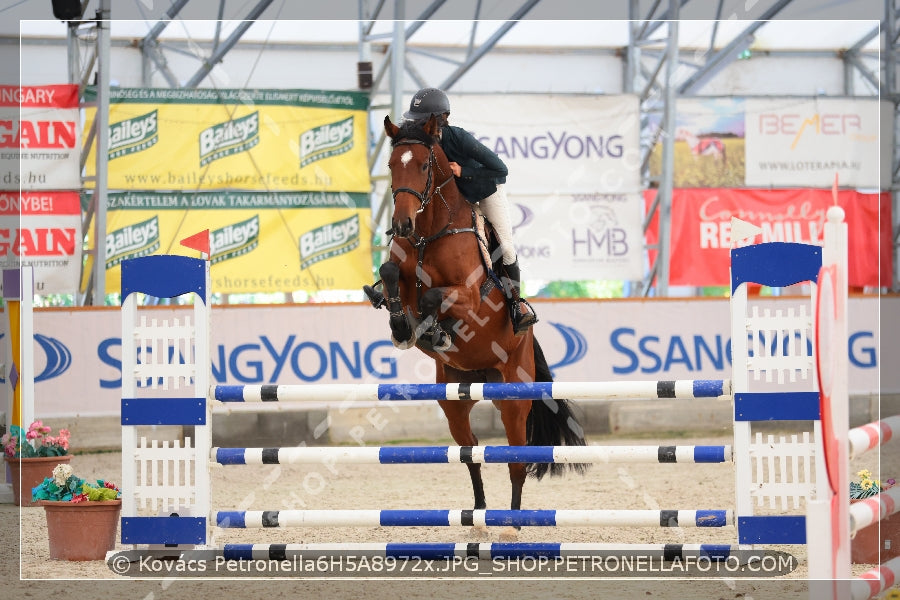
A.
x: 374, y: 296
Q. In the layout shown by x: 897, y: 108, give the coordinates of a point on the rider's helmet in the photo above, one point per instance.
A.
x: 427, y: 102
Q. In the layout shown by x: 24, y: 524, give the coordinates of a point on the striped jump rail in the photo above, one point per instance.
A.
x: 472, y: 454
x: 875, y: 581
x: 482, y: 551
x: 870, y: 436
x: 609, y: 390
x: 253, y: 519
x: 873, y: 509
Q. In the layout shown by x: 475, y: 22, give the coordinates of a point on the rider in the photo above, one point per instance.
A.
x: 480, y: 177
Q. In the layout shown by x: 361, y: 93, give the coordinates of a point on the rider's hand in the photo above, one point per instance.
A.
x: 456, y: 169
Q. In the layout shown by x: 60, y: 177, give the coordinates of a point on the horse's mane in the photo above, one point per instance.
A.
x: 413, y: 130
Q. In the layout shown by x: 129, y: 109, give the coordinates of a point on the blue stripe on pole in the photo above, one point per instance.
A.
x: 711, y: 518
x: 231, y: 456
x: 708, y: 388
x: 164, y: 530
x: 163, y: 411
x: 404, y: 391
x: 413, y: 518
x: 525, y: 549
x: 502, y: 391
x: 715, y: 551
x: 518, y: 454
x: 414, y: 454
x: 237, y: 552
x: 426, y: 551
x: 776, y: 406
x: 776, y: 529
x: 538, y: 518
x: 709, y: 454
x: 229, y: 393
x: 231, y: 518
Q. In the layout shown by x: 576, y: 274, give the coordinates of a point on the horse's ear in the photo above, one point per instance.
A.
x: 390, y: 128
x: 432, y: 125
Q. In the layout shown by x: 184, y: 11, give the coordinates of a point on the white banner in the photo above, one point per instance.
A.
x: 78, y: 351
x: 40, y: 146
x: 558, y: 144
x: 578, y: 236
x: 804, y: 142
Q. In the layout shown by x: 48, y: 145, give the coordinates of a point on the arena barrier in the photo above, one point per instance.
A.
x: 832, y: 520
x: 770, y: 350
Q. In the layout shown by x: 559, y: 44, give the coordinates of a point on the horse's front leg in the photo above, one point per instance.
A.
x: 431, y: 304
x: 401, y: 332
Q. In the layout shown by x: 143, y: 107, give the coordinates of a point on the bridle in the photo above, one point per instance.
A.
x: 424, y: 197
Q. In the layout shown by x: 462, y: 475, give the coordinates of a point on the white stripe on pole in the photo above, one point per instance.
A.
x: 873, y: 509
x: 871, y: 435
x: 873, y: 582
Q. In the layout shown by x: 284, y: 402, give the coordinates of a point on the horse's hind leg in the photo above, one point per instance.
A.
x: 401, y: 332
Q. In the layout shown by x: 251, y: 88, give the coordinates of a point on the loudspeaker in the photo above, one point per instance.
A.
x: 67, y: 10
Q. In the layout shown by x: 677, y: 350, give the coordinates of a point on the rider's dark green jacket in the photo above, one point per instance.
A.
x: 482, y: 169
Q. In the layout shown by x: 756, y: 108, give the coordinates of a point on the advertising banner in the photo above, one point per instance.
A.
x: 578, y: 236
x: 558, y: 144
x: 804, y: 142
x: 701, y: 230
x: 78, y: 351
x: 40, y: 139
x: 259, y: 242
x: 261, y: 140
x: 43, y: 229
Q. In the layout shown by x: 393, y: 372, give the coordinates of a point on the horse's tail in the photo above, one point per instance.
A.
x: 552, y: 423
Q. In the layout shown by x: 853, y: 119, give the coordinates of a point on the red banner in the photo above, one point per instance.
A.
x: 701, y: 229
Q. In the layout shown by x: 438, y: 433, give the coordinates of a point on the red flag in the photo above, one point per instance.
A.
x: 198, y: 241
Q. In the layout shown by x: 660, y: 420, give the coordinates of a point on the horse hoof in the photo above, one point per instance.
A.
x: 441, y: 343
x: 479, y: 532
x: 509, y: 534
x: 404, y: 345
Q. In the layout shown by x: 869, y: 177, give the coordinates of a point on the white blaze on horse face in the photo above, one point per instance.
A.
x: 406, y: 157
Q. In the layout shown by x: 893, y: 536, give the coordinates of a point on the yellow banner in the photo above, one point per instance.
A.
x: 270, y: 140
x: 259, y: 242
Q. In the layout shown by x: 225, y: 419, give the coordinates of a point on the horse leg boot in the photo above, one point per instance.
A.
x: 401, y: 332
x: 520, y: 311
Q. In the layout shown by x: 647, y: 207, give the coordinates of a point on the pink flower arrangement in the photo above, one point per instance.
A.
x: 37, y: 441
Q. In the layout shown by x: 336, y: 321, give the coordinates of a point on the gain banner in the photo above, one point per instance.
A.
x: 263, y: 140
x: 259, y: 242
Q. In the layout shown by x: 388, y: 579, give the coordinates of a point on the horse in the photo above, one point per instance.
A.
x: 445, y: 298
x: 707, y: 146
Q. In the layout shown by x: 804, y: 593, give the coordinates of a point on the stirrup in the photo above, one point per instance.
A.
x: 375, y: 297
x: 523, y: 320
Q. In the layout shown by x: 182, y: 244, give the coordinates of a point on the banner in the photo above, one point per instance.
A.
x: 262, y: 140
x: 578, y: 236
x: 78, y: 368
x: 260, y: 242
x: 777, y: 142
x: 40, y: 141
x: 701, y: 230
x: 43, y: 229
x: 558, y: 144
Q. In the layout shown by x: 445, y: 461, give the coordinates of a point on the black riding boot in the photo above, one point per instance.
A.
x: 520, y: 311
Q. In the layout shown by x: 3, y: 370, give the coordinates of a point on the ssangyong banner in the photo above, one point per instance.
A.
x: 805, y: 142
x: 40, y: 139
x: 78, y: 368
x: 261, y: 140
x: 701, y: 229
x: 578, y: 236
x: 558, y: 144
x: 43, y: 229
x: 259, y: 242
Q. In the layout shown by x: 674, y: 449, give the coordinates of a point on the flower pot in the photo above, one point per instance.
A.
x: 81, y: 530
x: 876, y: 543
x: 30, y: 472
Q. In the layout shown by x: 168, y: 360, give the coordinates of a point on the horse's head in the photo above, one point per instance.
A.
x: 414, y: 170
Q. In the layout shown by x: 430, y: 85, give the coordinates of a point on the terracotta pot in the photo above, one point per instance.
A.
x: 30, y: 472
x: 81, y: 530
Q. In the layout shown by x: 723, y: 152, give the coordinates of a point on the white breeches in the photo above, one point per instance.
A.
x: 496, y: 208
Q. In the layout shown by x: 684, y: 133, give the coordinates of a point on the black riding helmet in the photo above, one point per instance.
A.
x: 427, y: 102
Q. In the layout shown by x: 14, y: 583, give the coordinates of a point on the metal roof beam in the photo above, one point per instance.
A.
x: 162, y: 23
x: 488, y: 45
x: 228, y: 44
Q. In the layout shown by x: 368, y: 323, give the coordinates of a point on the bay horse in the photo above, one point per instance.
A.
x: 444, y: 297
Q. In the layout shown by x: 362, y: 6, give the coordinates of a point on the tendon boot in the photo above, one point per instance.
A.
x: 520, y: 311
x: 374, y: 296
